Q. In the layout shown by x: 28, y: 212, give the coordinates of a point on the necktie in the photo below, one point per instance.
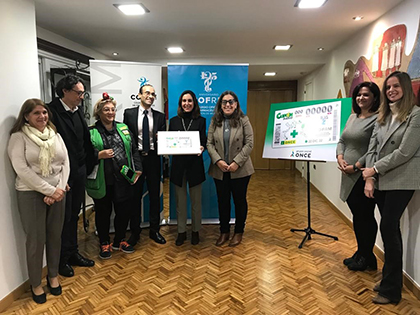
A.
x: 146, y: 137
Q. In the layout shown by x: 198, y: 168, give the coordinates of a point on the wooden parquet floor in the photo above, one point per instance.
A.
x: 266, y: 274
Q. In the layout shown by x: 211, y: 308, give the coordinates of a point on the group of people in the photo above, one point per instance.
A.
x: 379, y: 157
x: 56, y: 156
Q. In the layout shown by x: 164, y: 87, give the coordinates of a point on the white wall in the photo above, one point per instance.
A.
x: 19, y: 80
x: 64, y: 42
x: 326, y: 83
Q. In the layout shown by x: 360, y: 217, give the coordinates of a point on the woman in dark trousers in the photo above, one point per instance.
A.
x: 114, y: 149
x: 392, y: 174
x: 188, y: 168
x: 351, y: 153
x: 39, y: 157
x: 229, y: 143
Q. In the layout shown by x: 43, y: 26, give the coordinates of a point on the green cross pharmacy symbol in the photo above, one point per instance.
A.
x: 294, y: 134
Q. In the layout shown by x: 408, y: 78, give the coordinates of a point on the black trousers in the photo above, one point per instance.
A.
x: 103, y: 210
x: 74, y: 200
x: 237, y: 188
x: 151, y: 174
x: 391, y: 204
x: 364, y: 222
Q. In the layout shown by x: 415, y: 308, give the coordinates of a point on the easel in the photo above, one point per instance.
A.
x: 308, y: 230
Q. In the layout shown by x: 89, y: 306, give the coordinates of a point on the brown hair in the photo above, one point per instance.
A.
x: 196, y: 109
x: 27, y: 107
x: 218, y: 112
x: 404, y: 105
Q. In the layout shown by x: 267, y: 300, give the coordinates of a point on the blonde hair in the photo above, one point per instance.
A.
x: 404, y: 105
x: 99, y: 105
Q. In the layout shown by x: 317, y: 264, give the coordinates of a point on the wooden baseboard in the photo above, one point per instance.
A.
x: 18, y: 292
x: 408, y: 281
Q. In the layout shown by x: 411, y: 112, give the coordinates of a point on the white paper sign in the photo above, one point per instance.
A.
x: 178, y: 142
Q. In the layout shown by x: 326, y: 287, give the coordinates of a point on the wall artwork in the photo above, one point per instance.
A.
x: 387, y: 56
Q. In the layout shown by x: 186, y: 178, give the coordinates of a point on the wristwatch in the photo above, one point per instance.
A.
x: 355, y: 168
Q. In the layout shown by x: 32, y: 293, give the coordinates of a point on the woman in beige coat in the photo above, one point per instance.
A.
x: 230, y: 141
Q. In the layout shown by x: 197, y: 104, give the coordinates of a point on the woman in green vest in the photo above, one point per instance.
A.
x: 118, y: 166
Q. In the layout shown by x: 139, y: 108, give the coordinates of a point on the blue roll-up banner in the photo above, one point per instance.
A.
x: 207, y: 82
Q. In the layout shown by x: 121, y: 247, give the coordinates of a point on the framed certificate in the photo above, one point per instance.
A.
x: 178, y: 142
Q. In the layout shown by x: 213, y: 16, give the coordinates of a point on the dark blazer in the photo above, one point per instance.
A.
x: 62, y: 121
x: 131, y: 120
x: 192, y: 164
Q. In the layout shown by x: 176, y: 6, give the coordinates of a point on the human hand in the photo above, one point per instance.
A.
x: 67, y: 187
x: 368, y: 172
x: 58, y: 194
x: 341, y: 163
x: 138, y: 174
x: 222, y: 165
x: 369, y: 187
x: 49, y: 200
x: 106, y: 154
x: 201, y: 149
x: 233, y: 167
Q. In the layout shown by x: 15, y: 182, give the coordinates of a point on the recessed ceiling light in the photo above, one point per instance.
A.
x: 357, y: 18
x: 270, y: 74
x: 320, y: 48
x: 132, y: 9
x: 309, y: 4
x: 282, y: 47
x: 115, y: 53
x: 175, y: 50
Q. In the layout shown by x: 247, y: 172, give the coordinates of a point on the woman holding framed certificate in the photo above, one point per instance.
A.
x: 188, y: 168
x: 230, y: 142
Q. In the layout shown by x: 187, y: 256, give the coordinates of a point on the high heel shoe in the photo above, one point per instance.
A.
x: 236, y: 240
x: 181, y: 239
x: 348, y: 261
x: 195, y: 238
x: 223, y: 238
x: 39, y: 299
x: 362, y: 264
x: 54, y: 291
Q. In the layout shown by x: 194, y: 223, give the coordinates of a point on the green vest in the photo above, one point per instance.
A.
x: 96, y: 188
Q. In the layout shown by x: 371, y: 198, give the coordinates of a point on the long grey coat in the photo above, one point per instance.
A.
x: 241, y: 143
x: 394, y: 150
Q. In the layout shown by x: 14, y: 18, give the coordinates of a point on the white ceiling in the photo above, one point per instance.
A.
x: 214, y: 31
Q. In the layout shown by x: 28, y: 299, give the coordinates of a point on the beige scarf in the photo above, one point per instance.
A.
x: 46, y: 143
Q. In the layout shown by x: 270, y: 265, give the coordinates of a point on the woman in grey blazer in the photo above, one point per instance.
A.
x: 351, y: 153
x: 392, y: 174
x: 230, y: 141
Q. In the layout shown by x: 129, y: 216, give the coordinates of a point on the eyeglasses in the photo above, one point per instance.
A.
x: 79, y: 93
x: 147, y: 93
x: 230, y: 102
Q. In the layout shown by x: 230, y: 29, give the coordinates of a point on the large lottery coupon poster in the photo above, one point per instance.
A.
x: 306, y: 130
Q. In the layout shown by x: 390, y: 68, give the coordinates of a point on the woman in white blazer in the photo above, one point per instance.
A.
x: 392, y: 174
x: 230, y: 141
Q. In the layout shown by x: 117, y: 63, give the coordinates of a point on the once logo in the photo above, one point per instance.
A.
x: 303, y: 154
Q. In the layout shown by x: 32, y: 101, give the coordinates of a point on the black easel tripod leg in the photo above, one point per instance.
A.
x: 308, y: 231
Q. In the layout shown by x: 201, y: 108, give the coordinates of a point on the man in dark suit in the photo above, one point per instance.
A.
x: 68, y: 117
x: 144, y: 123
